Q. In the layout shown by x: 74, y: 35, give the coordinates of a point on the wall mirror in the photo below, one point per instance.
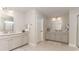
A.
x: 57, y: 24
x: 6, y: 23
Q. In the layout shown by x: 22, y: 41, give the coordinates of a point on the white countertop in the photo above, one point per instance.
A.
x: 7, y: 35
x: 14, y: 33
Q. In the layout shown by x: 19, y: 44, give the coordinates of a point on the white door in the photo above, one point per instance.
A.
x: 39, y: 29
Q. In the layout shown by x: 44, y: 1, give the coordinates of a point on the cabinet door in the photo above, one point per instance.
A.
x: 24, y: 40
x: 3, y: 45
x: 50, y: 36
x: 65, y: 37
x: 58, y: 36
x: 11, y: 44
x: 18, y: 41
x: 14, y: 42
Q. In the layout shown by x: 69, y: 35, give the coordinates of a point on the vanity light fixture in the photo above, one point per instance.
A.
x: 53, y: 19
x: 59, y: 18
x: 10, y: 11
x: 7, y: 11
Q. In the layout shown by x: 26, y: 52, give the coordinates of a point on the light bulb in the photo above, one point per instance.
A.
x: 59, y: 18
x: 53, y: 19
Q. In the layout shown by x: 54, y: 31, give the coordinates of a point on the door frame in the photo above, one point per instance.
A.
x: 77, y: 32
x: 42, y: 29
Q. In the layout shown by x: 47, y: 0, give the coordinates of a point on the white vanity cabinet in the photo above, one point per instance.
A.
x: 10, y: 42
x: 57, y: 36
x: 14, y: 42
x: 50, y: 36
x: 17, y: 40
x: 24, y: 39
x: 65, y: 37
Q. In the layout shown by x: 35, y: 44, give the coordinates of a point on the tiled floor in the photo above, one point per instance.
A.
x: 47, y: 46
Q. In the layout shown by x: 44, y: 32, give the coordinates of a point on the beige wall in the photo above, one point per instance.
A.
x: 30, y: 19
x: 65, y: 18
x: 19, y: 21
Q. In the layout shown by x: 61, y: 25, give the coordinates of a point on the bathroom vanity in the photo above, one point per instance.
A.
x: 58, y: 36
x: 9, y: 37
x: 13, y: 40
x: 57, y: 31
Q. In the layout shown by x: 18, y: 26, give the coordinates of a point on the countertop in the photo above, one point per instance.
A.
x: 14, y: 33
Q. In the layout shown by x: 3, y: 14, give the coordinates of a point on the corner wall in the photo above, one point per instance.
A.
x: 19, y: 20
x: 73, y: 27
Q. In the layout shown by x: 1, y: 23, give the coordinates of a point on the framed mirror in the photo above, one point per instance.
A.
x: 6, y: 23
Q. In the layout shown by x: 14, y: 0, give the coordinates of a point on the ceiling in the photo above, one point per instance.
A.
x: 48, y: 11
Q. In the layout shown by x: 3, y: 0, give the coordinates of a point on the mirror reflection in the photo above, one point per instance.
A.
x: 6, y: 23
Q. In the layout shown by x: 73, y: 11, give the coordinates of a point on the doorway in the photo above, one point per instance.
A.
x: 39, y: 29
